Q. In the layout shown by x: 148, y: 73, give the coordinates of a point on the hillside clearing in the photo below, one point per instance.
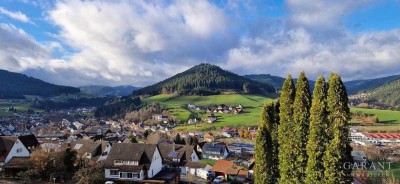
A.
x: 177, y: 105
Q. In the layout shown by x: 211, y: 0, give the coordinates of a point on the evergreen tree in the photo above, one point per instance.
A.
x: 266, y: 166
x: 301, y: 115
x: 262, y: 149
x: 133, y: 139
x: 275, y: 144
x: 285, y: 137
x: 338, y: 152
x: 317, y: 136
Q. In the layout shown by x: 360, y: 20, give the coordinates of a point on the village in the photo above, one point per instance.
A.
x: 134, y: 151
x: 171, y: 156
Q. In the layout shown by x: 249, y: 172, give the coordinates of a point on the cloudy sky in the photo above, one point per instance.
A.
x: 118, y: 42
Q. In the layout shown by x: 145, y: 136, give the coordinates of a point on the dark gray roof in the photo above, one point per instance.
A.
x: 29, y: 141
x: 182, y: 152
x: 211, y: 148
x: 143, y: 153
x: 6, y: 144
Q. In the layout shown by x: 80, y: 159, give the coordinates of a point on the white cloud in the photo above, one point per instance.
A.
x: 18, y: 50
x: 15, y: 15
x: 142, y: 42
x: 137, y: 42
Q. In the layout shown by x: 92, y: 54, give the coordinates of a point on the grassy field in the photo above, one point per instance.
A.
x: 177, y: 106
x: 20, y: 106
x: 384, y: 116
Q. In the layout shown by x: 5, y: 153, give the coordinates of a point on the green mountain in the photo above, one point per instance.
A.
x: 352, y: 87
x: 355, y: 86
x: 108, y: 90
x: 16, y: 85
x: 206, y: 79
x: 388, y: 93
x: 275, y: 81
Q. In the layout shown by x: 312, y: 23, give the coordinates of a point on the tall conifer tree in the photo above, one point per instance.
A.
x: 301, y: 115
x: 338, y: 153
x: 317, y: 140
x: 285, y: 132
x: 265, y: 165
x: 275, y: 144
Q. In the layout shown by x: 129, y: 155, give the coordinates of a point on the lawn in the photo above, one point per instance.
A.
x: 208, y: 161
x: 384, y: 116
x: 177, y: 106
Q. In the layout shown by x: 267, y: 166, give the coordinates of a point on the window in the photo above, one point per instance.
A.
x: 130, y: 175
x: 19, y: 150
x: 117, y: 161
x: 114, y: 172
x: 123, y: 175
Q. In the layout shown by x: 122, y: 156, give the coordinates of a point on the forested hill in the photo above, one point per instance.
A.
x: 15, y: 85
x: 352, y: 87
x: 275, y: 81
x: 108, y: 90
x: 356, y: 86
x: 206, y: 79
x: 388, y: 93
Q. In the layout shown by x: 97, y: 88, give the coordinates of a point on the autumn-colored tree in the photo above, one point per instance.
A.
x: 246, y: 134
x: 241, y: 132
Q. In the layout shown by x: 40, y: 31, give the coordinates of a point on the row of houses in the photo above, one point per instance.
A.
x: 222, y: 108
x: 378, y: 139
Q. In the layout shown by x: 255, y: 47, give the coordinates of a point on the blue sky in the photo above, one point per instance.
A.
x: 141, y: 42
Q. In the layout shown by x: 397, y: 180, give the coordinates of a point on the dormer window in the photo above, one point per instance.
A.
x: 125, y: 162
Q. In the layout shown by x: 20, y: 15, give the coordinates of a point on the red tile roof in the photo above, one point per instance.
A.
x: 383, y: 135
x: 222, y: 165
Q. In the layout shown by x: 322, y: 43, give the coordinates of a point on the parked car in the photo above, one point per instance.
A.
x: 219, y: 179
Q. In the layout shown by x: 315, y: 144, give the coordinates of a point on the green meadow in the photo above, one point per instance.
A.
x: 384, y: 116
x: 20, y: 106
x: 177, y: 105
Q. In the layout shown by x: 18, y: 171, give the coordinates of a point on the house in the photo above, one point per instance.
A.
x: 132, y: 162
x: 214, y: 151
x: 105, y: 151
x: 176, y: 155
x: 211, y: 118
x: 160, y: 117
x: 194, y: 121
x: 191, y: 106
x: 89, y: 149
x: 209, y: 137
x: 229, y: 171
x: 238, y: 148
x: 22, y: 147
x: 198, y: 169
x: 221, y: 168
x: 6, y: 144
x: 15, y: 152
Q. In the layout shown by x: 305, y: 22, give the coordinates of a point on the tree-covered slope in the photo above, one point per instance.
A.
x: 206, y: 79
x: 275, y: 81
x: 388, y: 93
x: 108, y: 90
x: 15, y: 85
x: 356, y: 86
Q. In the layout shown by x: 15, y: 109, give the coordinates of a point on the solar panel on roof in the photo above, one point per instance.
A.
x: 173, y: 154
